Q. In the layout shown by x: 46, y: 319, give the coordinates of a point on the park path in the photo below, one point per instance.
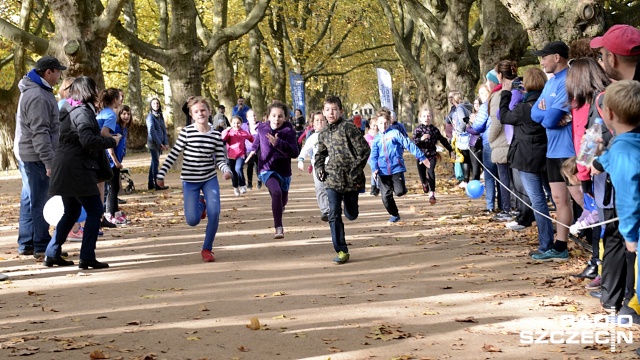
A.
x: 444, y: 283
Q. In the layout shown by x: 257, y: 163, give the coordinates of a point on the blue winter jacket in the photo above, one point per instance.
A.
x: 387, y: 150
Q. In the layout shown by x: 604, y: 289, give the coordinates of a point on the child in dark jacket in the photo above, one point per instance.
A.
x: 275, y: 145
x: 387, y: 162
x: 425, y: 136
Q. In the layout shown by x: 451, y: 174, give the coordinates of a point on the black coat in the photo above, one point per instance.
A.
x: 528, y: 149
x: 76, y: 158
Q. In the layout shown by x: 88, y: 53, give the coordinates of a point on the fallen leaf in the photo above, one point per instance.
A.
x: 243, y: 349
x: 490, y: 348
x: 255, y: 324
x: 203, y: 308
x: 279, y: 317
x: 193, y: 338
x: 279, y: 293
x: 469, y: 319
x: 98, y: 354
x: 334, y: 349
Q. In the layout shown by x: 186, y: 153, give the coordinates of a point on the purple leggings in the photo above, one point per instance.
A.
x: 279, y: 200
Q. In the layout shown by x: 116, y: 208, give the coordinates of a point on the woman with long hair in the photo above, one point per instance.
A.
x: 157, y: 140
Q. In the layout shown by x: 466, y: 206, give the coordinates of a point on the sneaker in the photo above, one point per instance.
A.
x: 207, y: 256
x: 259, y: 185
x: 250, y: 186
x: 595, y: 284
x: 462, y: 185
x: 279, y: 233
x: 502, y: 216
x: 121, y: 202
x: 425, y: 188
x: 534, y: 252
x: 122, y: 216
x: 100, y: 233
x: 115, y: 220
x: 236, y: 191
x: 513, y: 225
x: 342, y: 258
x: 104, y: 223
x: 28, y: 251
x: 432, y: 200
x: 4, y: 277
x: 325, y: 217
x: 488, y: 212
x: 204, y: 211
x: 243, y: 189
x: 551, y: 255
x: 393, y: 219
x: 76, y: 236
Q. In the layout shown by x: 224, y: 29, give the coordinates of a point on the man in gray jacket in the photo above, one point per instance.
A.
x: 39, y: 131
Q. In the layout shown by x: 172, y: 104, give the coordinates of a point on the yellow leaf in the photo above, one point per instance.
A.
x: 193, y: 338
x: 255, y: 324
x: 279, y: 293
x: 430, y: 313
x: 279, y: 317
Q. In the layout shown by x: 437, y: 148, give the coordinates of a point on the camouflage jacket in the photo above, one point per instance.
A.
x: 342, y: 154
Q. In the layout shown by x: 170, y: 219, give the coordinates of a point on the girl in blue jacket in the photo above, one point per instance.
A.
x: 387, y: 163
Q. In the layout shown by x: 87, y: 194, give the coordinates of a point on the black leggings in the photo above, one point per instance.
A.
x: 431, y: 171
x: 466, y: 165
x: 251, y: 164
x: 112, y: 192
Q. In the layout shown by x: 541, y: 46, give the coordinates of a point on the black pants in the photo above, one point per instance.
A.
x: 390, y: 184
x: 526, y: 217
x: 614, y: 264
x: 112, y: 192
x: 466, y: 165
x: 476, y: 164
x: 251, y: 165
x: 431, y: 171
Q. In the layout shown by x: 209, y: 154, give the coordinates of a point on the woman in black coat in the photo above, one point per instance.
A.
x: 528, y: 149
x: 74, y: 173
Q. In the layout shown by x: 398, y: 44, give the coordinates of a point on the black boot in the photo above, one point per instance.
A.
x: 85, y: 264
x: 589, y: 272
x: 50, y: 261
x: 375, y: 190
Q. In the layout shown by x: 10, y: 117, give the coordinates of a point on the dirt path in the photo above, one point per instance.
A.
x: 444, y: 283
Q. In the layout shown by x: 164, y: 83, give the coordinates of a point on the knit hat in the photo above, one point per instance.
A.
x: 493, y: 77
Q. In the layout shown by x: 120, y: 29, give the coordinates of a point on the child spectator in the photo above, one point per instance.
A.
x: 425, y: 136
x: 122, y: 124
x: 275, y: 146
x: 372, y: 132
x: 235, y: 138
x: 309, y: 149
x: 202, y: 150
x: 387, y: 162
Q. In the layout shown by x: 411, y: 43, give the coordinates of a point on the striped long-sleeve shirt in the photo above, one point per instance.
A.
x: 201, y: 153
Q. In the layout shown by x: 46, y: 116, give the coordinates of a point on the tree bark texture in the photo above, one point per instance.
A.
x: 134, y: 86
x: 253, y: 67
x: 223, y: 69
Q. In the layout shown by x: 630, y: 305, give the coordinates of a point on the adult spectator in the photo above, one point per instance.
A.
x: 397, y: 125
x: 220, y: 121
x: 460, y: 120
x: 620, y: 50
x: 552, y: 111
x: 38, y: 119
x: 240, y: 110
x: 157, y: 140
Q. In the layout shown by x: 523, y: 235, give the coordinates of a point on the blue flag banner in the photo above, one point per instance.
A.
x: 297, y: 91
x: 384, y: 86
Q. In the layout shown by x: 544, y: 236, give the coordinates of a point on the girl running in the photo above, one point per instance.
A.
x: 235, y: 138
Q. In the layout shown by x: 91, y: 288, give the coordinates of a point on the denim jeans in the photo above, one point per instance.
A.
x: 489, y: 177
x: 505, y: 195
x: 336, y: 199
x: 72, y: 208
x: 25, y: 222
x: 153, y: 168
x: 237, y: 172
x: 39, y: 189
x: 532, y: 183
x: 193, y: 207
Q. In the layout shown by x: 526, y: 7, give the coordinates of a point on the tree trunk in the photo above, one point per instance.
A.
x: 276, y: 23
x: 253, y: 67
x: 225, y: 81
x: 134, y: 86
x: 549, y: 20
x: 504, y: 37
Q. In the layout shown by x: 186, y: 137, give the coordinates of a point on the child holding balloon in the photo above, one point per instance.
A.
x: 387, y: 163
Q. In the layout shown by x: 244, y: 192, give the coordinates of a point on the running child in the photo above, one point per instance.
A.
x: 309, y: 149
x: 202, y: 150
x: 235, y: 138
x: 372, y: 132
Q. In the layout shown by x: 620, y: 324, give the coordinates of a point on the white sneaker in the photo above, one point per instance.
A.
x: 462, y: 185
x: 236, y: 191
x: 279, y: 233
x: 513, y: 225
x: 243, y: 189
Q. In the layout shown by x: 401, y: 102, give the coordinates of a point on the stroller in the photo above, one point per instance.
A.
x: 125, y: 176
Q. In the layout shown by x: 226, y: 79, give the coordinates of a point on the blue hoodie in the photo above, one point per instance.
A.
x: 621, y: 162
x: 387, y: 150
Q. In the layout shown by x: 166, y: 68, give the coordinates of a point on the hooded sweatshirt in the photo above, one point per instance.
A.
x: 621, y: 162
x: 39, y: 121
x: 276, y: 158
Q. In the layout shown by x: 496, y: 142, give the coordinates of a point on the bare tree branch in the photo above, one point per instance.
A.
x: 355, y: 67
x: 325, y: 28
x: 360, y: 51
x: 109, y: 16
x: 203, y: 33
x: 23, y: 38
x: 137, y: 46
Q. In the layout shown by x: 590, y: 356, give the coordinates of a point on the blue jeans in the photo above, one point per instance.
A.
x: 489, y: 177
x: 533, y: 183
x: 336, y: 199
x: 153, y: 168
x: 39, y: 189
x: 193, y: 207
x: 237, y: 172
x: 505, y: 195
x: 25, y: 222
x: 72, y: 208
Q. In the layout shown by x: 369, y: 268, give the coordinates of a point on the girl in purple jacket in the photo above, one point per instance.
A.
x: 274, y: 146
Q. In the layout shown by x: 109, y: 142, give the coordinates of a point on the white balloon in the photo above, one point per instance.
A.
x: 53, y: 210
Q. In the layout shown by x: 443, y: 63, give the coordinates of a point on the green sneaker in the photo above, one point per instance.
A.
x: 551, y: 255
x: 342, y: 258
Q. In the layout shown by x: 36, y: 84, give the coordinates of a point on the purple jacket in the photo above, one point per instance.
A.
x: 276, y: 158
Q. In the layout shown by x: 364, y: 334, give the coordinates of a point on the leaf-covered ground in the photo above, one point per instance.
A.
x: 444, y: 283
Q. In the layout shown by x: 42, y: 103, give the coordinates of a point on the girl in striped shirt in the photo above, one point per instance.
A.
x: 202, y: 150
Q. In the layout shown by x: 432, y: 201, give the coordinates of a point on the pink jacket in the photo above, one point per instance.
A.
x: 235, y: 142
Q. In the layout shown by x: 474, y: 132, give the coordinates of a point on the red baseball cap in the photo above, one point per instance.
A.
x: 621, y: 40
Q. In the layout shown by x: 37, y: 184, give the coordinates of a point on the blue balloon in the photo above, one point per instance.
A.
x: 83, y: 216
x: 475, y: 189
